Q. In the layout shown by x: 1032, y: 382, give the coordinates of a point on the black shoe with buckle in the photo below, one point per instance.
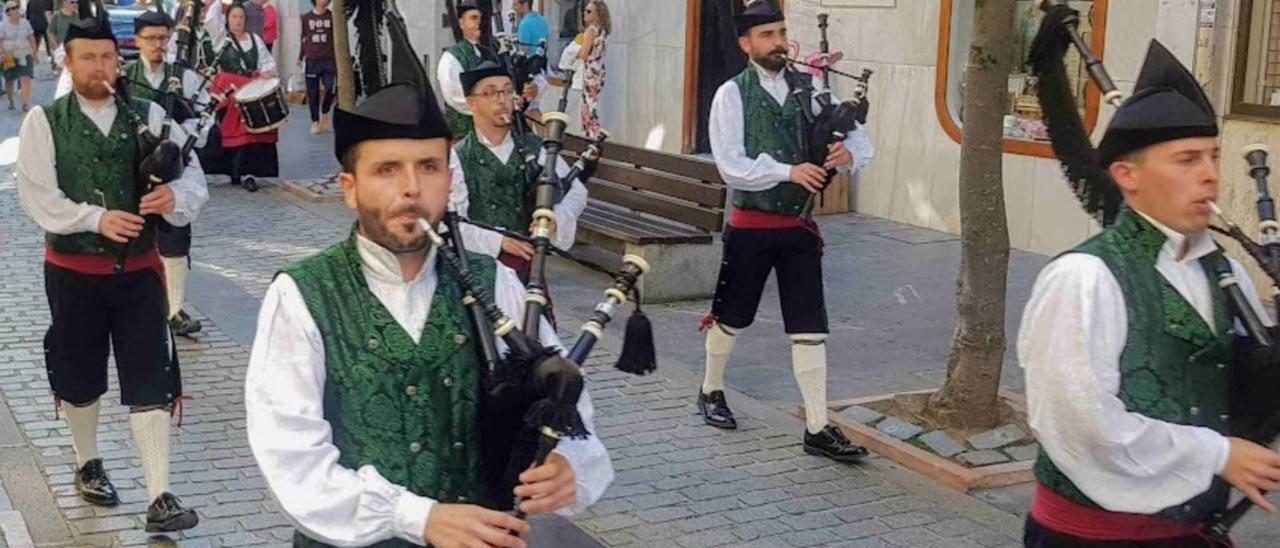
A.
x: 831, y: 443
x: 250, y: 184
x: 182, y: 324
x: 93, y: 485
x: 166, y: 514
x: 715, y: 411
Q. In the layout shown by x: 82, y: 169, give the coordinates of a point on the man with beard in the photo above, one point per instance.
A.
x: 756, y: 123
x: 151, y: 78
x: 363, y: 387
x: 463, y: 56
x: 79, y: 172
x: 491, y: 182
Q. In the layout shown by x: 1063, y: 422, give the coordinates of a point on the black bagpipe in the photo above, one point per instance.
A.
x: 530, y: 393
x: 160, y: 160
x: 833, y: 122
x: 188, y: 33
x: 1254, y: 411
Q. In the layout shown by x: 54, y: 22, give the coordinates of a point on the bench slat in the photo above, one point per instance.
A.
x: 662, y: 183
x: 705, y: 219
x: 624, y: 229
x: 693, y: 168
x: 637, y: 222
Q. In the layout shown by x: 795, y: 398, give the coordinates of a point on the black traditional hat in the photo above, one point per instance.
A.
x: 92, y: 23
x: 152, y: 18
x: 1167, y: 104
x: 759, y: 12
x: 465, y: 6
x: 404, y: 109
x: 487, y: 68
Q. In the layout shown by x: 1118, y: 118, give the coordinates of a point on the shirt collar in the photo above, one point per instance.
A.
x: 146, y: 66
x: 85, y: 106
x: 481, y: 139
x: 382, y: 265
x: 764, y: 74
x: 1197, y: 244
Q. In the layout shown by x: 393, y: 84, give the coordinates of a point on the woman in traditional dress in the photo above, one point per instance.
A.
x: 241, y: 57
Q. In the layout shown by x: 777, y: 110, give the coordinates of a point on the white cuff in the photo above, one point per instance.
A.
x: 1223, y: 446
x: 412, y: 512
x: 93, y: 221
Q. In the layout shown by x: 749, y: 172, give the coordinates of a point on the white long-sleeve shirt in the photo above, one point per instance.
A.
x: 489, y: 242
x: 54, y: 211
x: 728, y: 137
x: 1073, y: 331
x: 293, y: 444
x: 449, y: 74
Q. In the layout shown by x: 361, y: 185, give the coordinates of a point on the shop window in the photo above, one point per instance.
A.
x: 1024, y: 128
x: 1256, y: 87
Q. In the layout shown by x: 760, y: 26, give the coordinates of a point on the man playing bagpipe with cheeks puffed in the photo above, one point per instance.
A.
x: 1129, y: 345
x: 490, y: 176
x: 364, y: 383
x: 756, y: 123
x: 82, y: 163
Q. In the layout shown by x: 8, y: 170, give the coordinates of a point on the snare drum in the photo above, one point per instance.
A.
x: 262, y: 105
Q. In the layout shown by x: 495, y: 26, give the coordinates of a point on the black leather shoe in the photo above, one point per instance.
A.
x: 831, y: 443
x: 182, y: 324
x: 250, y: 184
x: 715, y: 411
x: 166, y: 514
x: 93, y: 485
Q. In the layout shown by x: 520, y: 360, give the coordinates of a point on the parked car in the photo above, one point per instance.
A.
x: 122, y: 26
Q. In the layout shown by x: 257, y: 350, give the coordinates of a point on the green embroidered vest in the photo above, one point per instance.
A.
x: 96, y: 169
x: 140, y: 87
x: 498, y: 192
x: 465, y: 53
x: 775, y: 130
x: 232, y: 58
x: 1173, y: 368
x: 409, y: 410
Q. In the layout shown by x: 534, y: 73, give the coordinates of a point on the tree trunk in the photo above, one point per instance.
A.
x: 342, y: 54
x: 969, y: 398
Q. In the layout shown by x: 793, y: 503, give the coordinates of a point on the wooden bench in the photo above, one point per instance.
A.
x: 665, y: 208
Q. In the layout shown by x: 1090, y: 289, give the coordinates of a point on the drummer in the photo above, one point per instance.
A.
x: 240, y: 58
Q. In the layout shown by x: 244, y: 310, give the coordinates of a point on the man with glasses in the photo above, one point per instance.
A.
x: 490, y: 181
x: 151, y: 78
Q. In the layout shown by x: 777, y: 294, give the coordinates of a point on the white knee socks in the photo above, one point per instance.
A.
x: 151, y: 433
x: 83, y: 422
x: 809, y: 362
x: 175, y: 274
x: 720, y: 339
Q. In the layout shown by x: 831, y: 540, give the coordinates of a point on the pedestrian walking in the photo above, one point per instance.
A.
x: 317, y: 60
x: 18, y: 53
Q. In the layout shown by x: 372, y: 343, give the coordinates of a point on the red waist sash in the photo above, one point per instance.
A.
x: 102, y: 265
x: 1066, y: 516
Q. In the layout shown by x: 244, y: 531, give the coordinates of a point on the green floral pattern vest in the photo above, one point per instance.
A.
x: 1173, y: 367
x: 96, y: 169
x: 465, y: 53
x: 409, y: 410
x: 139, y: 87
x: 775, y: 130
x: 498, y: 193
x: 232, y: 59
